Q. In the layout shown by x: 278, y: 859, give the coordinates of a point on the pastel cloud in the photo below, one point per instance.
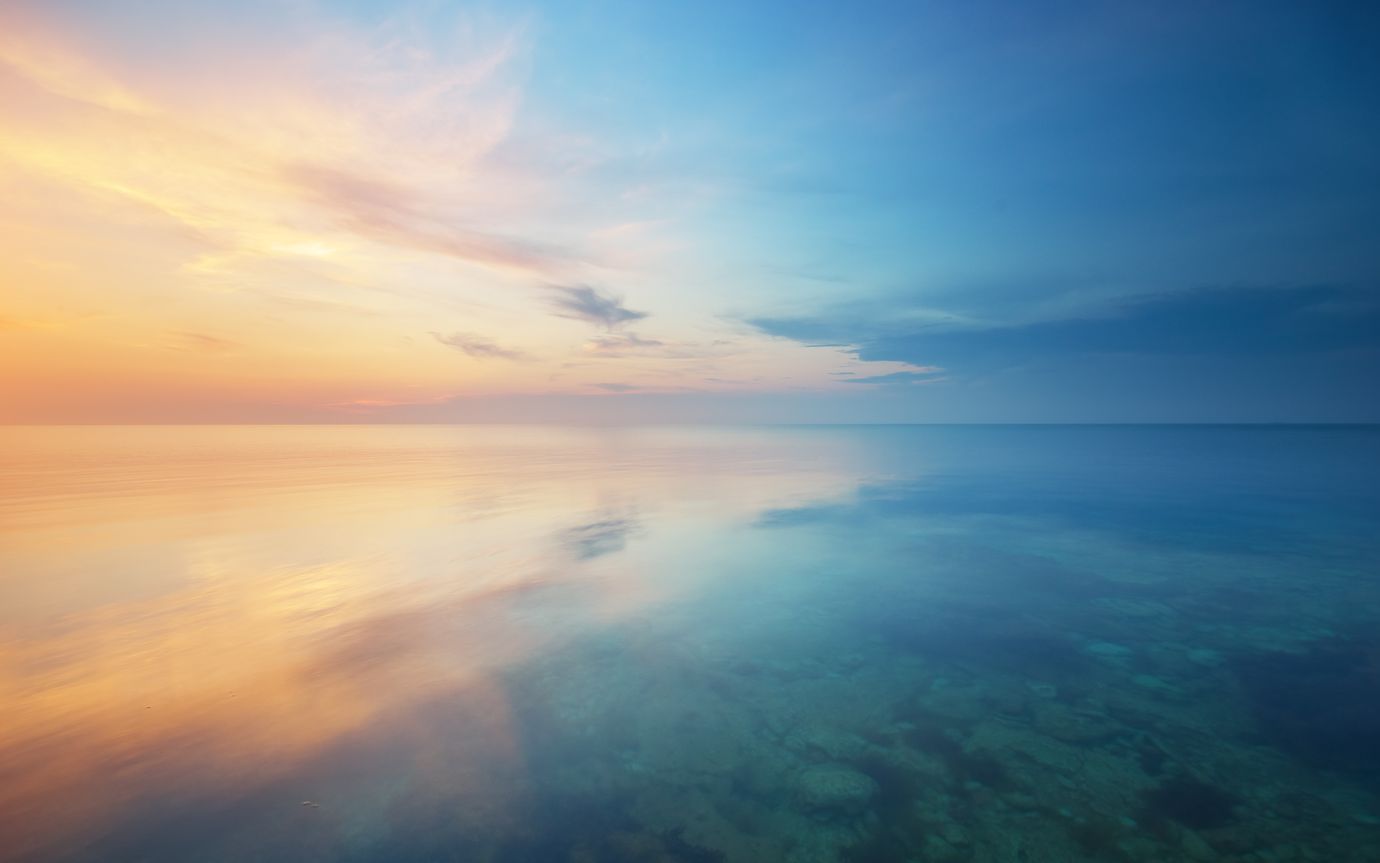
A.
x: 379, y: 210
x: 477, y: 346
x: 348, y: 122
x: 621, y: 344
x: 296, y: 189
x: 291, y: 197
x: 583, y: 303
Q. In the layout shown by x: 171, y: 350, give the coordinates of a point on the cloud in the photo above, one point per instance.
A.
x: 377, y: 126
x: 382, y: 210
x: 628, y: 344
x: 617, y: 388
x: 477, y: 346
x: 927, y: 376
x: 1205, y: 322
x: 583, y: 303
x: 621, y: 344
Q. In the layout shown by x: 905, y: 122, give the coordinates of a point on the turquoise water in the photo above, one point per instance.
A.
x: 805, y: 644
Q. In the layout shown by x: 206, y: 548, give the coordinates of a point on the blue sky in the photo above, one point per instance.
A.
x: 1042, y: 211
x: 1112, y: 211
x: 1079, y: 211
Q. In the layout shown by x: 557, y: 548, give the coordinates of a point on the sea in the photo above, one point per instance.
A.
x: 405, y: 644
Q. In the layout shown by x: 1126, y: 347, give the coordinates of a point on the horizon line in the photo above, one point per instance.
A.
x: 727, y: 424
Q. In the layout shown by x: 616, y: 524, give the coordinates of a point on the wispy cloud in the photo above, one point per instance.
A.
x: 621, y: 344
x: 382, y: 210
x: 336, y: 127
x: 477, y: 346
x: 629, y: 344
x: 583, y: 303
x: 926, y: 375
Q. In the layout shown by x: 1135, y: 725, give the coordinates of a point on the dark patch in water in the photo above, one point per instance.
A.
x: 881, y: 847
x: 1321, y: 706
x: 677, y: 849
x: 897, y: 787
x: 598, y: 538
x: 899, y: 835
x: 560, y: 823
x: 964, y: 766
x: 986, y: 641
x: 596, y: 829
x: 1098, y: 837
x: 1189, y: 801
x: 1152, y: 758
x: 984, y: 769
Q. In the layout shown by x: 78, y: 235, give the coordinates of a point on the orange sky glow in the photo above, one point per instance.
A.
x: 339, y: 224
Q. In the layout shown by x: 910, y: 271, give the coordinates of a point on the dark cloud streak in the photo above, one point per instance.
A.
x: 477, y: 346
x: 1203, y: 322
x: 583, y: 303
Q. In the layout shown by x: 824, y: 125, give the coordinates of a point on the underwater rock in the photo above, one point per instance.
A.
x: 1196, y: 847
x: 634, y: 846
x: 1043, y: 690
x: 1108, y: 650
x: 1321, y: 705
x: 1154, y: 684
x: 955, y: 835
x: 823, y: 742
x: 852, y: 661
x: 1134, y: 608
x: 936, y: 848
x: 834, y: 790
x: 1191, y: 802
x: 1006, y: 703
x: 1205, y: 657
x: 1075, y: 726
x: 1020, y: 800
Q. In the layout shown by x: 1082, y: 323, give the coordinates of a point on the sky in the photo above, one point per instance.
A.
x: 689, y: 212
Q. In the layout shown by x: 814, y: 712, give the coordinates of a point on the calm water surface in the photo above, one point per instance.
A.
x: 806, y: 645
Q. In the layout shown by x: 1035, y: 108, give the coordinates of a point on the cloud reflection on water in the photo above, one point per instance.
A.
x: 318, y: 595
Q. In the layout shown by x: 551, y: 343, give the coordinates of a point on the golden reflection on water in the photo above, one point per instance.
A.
x: 199, y: 612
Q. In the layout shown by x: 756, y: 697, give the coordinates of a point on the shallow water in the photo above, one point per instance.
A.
x: 805, y: 644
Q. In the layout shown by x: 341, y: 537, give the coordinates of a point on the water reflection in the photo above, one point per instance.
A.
x: 600, y: 537
x: 194, y: 617
x: 800, y: 645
